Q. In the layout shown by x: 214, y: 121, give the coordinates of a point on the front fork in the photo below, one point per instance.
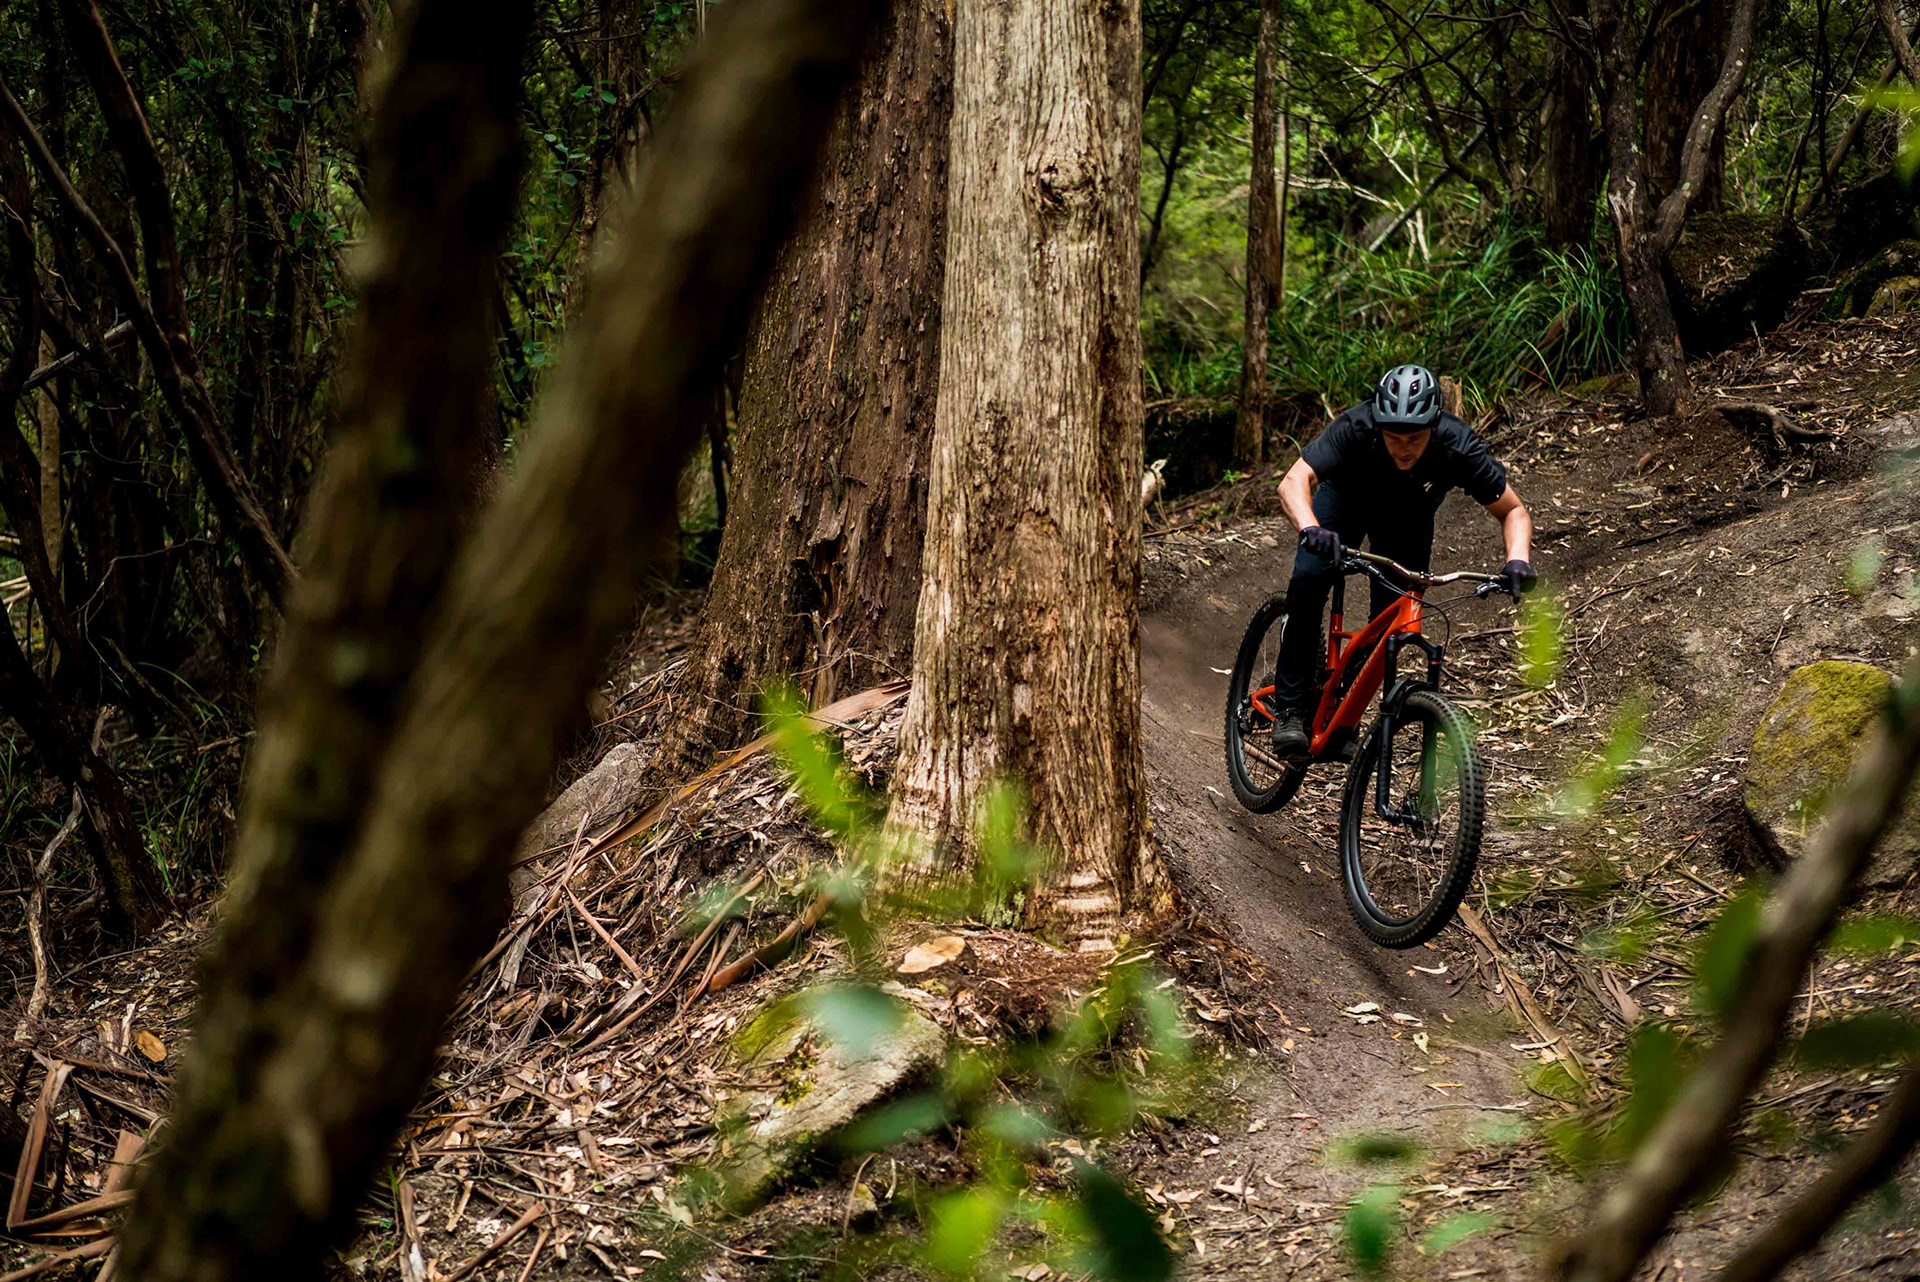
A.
x: 1397, y: 692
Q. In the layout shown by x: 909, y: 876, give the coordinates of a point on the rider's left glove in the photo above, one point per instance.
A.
x: 1518, y: 577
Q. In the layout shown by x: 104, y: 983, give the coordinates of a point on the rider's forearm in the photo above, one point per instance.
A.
x: 1296, y: 496
x: 1517, y: 525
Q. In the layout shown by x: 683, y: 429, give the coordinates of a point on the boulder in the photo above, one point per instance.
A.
x: 595, y: 797
x: 1857, y: 290
x: 808, y: 1086
x: 1735, y: 273
x: 1804, y: 746
x: 1900, y: 294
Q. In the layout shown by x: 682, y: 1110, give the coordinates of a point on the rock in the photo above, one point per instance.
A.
x: 1802, y: 750
x: 768, y: 1131
x: 1735, y: 273
x: 1857, y: 291
x: 1900, y: 294
x: 594, y: 796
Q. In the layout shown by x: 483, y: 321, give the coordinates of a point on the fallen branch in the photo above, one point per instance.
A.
x: 773, y: 950
x: 90, y: 1251
x: 1520, y: 997
x: 29, y: 1165
x: 55, y: 367
x: 36, y: 921
x: 494, y: 1247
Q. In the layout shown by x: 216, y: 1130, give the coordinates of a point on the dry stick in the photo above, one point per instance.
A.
x: 78, y: 1211
x: 29, y: 1164
x: 52, y: 1262
x: 1693, y: 1134
x: 626, y: 958
x: 36, y: 913
x: 1521, y: 998
x: 1870, y: 1160
x: 774, y: 950
x: 492, y: 1249
x: 539, y: 1241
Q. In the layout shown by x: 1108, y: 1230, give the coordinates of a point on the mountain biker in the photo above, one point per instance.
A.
x: 1378, y: 472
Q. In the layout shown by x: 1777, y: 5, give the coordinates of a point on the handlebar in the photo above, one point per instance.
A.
x: 1372, y: 563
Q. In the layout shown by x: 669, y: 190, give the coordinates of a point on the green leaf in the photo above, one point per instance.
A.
x: 1126, y: 1245
x: 1370, y: 1227
x: 1658, y: 1060
x: 1017, y: 1126
x: 961, y: 1225
x: 1542, y: 640
x: 855, y: 1017
x: 830, y: 797
x: 606, y: 96
x: 1454, y: 1230
x: 1864, y: 569
x: 1723, y: 958
x: 1373, y: 1150
x: 1859, y: 1041
x: 1881, y: 933
x: 916, y: 1115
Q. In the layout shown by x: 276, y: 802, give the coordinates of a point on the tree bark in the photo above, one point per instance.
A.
x: 1647, y: 233
x: 294, y: 1087
x: 819, y: 565
x: 1683, y: 62
x: 1897, y: 37
x: 1263, y: 252
x: 1026, y: 653
x: 1572, y: 176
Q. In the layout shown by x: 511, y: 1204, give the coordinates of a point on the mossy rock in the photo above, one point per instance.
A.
x: 1857, y: 291
x: 806, y: 1087
x: 1901, y: 294
x: 1734, y: 274
x: 1801, y: 752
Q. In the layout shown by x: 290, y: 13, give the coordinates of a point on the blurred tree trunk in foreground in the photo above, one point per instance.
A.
x: 819, y: 567
x: 1263, y: 253
x: 298, y: 1079
x: 1027, y: 650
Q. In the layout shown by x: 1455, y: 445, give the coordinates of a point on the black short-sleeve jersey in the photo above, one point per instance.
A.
x: 1349, y: 453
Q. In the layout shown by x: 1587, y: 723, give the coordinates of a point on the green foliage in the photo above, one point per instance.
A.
x: 1860, y: 1041
x: 1586, y: 792
x: 1013, y: 1103
x: 1543, y: 622
x: 1875, y: 933
x: 1454, y: 1230
x: 1370, y: 1227
x: 1722, y: 961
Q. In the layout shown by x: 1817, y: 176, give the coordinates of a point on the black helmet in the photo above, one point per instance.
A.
x: 1407, y: 400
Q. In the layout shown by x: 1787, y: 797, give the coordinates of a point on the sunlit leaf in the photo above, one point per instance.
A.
x: 835, y: 803
x: 1586, y: 791
x: 1454, y: 1230
x: 1881, y: 933
x: 1370, y: 1226
x: 1658, y: 1059
x: 1542, y: 639
x: 856, y: 1017
x: 960, y: 1225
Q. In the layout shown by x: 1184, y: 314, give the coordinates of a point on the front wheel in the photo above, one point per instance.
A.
x: 1262, y: 782
x: 1406, y: 872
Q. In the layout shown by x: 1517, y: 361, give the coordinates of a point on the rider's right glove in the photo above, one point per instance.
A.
x: 1520, y: 577
x: 1322, y: 542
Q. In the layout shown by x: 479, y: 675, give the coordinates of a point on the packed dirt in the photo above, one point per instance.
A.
x: 1694, y: 570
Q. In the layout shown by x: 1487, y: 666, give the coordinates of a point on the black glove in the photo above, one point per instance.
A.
x: 1519, y: 577
x: 1322, y: 542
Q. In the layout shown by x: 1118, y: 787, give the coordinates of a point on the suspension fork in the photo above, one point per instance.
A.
x: 1398, y: 689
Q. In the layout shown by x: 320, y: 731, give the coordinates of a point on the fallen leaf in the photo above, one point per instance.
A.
x: 150, y: 1046
x: 1420, y: 1040
x: 1441, y: 969
x: 1401, y: 1017
x: 935, y: 952
x: 1257, y: 1125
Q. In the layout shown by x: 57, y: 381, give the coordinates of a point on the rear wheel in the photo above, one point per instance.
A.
x: 1406, y: 874
x: 1262, y: 782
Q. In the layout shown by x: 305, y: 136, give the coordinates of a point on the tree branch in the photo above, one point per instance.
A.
x: 1693, y: 1133
x: 1897, y: 37
x: 1868, y: 1162
x: 1697, y: 153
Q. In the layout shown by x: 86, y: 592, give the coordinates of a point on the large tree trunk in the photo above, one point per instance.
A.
x: 1026, y: 655
x: 1683, y: 62
x: 1263, y: 252
x: 819, y: 565
x: 1647, y: 233
x: 1572, y: 178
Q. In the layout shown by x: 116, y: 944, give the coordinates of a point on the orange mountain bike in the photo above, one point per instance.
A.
x: 1415, y: 798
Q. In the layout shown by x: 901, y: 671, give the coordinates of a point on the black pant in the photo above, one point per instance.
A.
x: 1403, y: 532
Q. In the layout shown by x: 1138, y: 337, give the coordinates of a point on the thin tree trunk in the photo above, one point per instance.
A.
x: 291, y: 1097
x: 819, y: 564
x: 1286, y: 193
x: 1026, y: 655
x: 135, y: 900
x: 1263, y: 252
